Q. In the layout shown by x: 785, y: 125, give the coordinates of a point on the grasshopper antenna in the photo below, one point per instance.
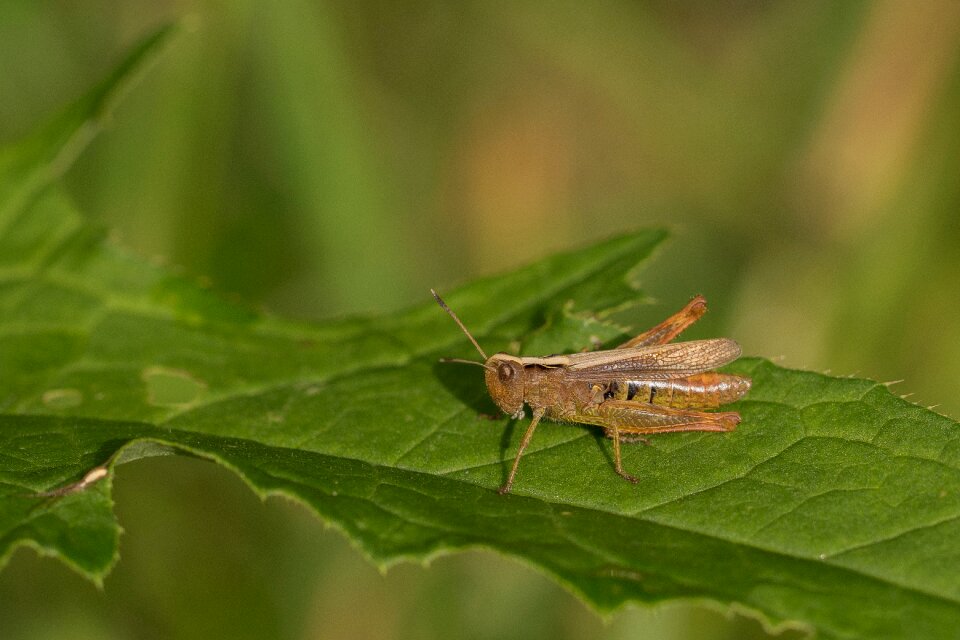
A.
x: 462, y: 361
x: 444, y: 306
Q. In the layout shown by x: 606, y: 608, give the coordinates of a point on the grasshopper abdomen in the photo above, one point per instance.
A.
x: 698, y: 391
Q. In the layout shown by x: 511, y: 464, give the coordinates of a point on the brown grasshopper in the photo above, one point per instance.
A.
x: 643, y: 386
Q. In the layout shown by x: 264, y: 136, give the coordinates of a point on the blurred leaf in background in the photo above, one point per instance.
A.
x: 329, y: 157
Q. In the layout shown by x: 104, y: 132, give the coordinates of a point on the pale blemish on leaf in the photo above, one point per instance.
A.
x: 171, y: 387
x: 62, y: 398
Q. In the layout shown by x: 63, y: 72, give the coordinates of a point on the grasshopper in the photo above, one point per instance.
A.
x: 644, y: 386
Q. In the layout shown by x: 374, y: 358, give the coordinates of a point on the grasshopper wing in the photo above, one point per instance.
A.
x: 657, y: 362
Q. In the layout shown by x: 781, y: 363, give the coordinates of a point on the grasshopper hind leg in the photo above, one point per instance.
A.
x: 627, y: 422
x: 641, y: 418
x: 671, y: 327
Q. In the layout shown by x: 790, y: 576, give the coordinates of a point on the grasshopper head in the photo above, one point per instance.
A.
x: 504, y: 378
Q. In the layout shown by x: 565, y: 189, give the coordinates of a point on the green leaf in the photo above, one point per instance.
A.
x: 835, y: 503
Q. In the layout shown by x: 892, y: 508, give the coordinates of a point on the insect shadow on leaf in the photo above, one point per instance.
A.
x: 461, y: 382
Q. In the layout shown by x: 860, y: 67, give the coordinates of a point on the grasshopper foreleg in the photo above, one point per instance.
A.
x: 537, y: 414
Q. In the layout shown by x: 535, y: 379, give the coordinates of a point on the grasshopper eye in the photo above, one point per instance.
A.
x: 505, y: 372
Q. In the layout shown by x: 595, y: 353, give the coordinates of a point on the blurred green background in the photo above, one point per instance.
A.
x: 322, y: 158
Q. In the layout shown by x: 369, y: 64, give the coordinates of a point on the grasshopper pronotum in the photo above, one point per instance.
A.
x: 644, y: 386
